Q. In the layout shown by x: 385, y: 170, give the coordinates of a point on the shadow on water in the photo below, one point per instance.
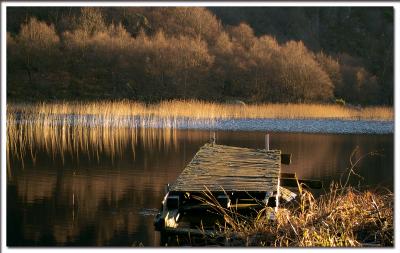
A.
x: 101, y: 187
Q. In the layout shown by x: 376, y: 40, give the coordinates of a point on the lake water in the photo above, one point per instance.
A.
x: 109, y: 195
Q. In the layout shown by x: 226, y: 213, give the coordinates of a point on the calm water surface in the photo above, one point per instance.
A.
x: 110, y: 197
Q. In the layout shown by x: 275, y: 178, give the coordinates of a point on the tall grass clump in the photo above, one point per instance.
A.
x: 342, y: 217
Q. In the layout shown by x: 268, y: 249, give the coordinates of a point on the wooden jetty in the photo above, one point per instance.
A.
x: 232, y: 169
x: 237, y: 178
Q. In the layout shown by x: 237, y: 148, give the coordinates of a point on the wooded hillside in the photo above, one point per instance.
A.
x: 149, y: 54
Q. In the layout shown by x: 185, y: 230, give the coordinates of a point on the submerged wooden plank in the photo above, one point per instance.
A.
x: 217, y: 167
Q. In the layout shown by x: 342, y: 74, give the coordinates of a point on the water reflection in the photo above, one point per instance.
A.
x: 93, y: 193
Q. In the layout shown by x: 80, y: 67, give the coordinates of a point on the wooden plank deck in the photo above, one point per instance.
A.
x: 220, y: 167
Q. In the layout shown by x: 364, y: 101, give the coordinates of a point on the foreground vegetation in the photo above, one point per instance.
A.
x: 200, y: 110
x: 342, y: 217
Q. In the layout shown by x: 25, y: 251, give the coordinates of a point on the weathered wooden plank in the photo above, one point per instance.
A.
x: 228, y: 172
x: 230, y: 168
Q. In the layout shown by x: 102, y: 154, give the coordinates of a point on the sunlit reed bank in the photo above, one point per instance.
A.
x: 107, y: 128
x: 205, y: 110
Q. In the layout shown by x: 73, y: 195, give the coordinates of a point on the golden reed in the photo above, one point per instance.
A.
x: 199, y: 109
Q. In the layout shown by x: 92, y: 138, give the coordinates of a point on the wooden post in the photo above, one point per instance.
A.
x: 267, y: 142
x: 212, y: 138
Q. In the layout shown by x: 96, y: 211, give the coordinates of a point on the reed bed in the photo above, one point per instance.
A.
x: 205, y: 110
x: 343, y: 217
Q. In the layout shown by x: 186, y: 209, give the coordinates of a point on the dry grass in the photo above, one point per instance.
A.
x: 343, y: 217
x: 205, y: 110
